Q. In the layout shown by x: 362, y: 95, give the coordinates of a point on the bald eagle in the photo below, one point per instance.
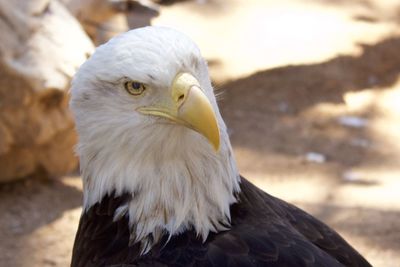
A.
x: 161, y: 186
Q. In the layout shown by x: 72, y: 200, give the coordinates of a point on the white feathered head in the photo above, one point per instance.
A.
x: 149, y: 124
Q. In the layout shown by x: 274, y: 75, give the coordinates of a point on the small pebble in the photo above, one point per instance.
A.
x: 353, y: 121
x: 372, y: 80
x: 350, y: 176
x: 315, y: 157
x: 283, y: 107
x: 360, y: 142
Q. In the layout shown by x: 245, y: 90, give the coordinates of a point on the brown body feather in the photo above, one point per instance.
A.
x: 265, y: 231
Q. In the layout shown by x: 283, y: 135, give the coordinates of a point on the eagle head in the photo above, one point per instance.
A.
x: 149, y: 125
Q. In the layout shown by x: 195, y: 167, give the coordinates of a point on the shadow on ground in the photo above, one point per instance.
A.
x: 27, y: 208
x: 361, y: 222
x: 267, y: 111
x: 278, y: 115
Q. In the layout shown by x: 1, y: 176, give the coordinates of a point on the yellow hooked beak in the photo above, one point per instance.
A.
x: 189, y: 106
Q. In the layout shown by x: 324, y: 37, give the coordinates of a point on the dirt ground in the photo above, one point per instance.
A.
x: 316, y: 126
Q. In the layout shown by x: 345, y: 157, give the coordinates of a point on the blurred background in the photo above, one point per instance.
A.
x: 310, y: 91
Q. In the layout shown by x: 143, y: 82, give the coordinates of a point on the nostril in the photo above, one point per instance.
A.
x: 181, y: 97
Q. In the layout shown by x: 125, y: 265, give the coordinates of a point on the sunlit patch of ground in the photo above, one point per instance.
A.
x: 242, y: 36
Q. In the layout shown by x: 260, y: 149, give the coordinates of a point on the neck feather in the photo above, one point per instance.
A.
x: 175, y: 185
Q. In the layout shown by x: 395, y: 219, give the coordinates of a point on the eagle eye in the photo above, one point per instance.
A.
x: 134, y: 88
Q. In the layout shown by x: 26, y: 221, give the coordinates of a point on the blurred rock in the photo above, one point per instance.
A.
x: 41, y: 47
x: 103, y: 19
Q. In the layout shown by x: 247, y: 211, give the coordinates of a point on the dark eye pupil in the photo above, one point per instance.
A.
x: 136, y: 85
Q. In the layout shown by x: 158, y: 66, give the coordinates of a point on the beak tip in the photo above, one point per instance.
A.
x: 216, y: 147
x: 215, y: 142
